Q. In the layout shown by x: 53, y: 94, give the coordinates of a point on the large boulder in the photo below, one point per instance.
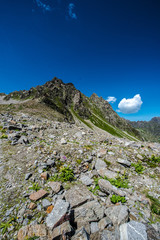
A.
x: 59, y: 212
x: 118, y: 214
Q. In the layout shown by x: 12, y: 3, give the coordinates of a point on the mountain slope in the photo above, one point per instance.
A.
x: 70, y: 102
x: 149, y: 130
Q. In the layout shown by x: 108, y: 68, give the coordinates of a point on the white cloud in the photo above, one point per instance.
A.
x: 111, y: 99
x: 45, y: 7
x: 72, y: 15
x: 130, y: 105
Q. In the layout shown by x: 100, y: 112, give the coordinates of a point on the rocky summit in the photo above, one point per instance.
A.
x: 69, y: 171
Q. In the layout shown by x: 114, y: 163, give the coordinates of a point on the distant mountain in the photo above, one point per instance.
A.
x: 149, y: 130
x: 71, y: 104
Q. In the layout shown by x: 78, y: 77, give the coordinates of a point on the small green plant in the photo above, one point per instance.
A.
x: 138, y: 167
x: 153, y: 161
x: 54, y: 178
x: 35, y: 187
x: 119, y: 182
x: 5, y: 225
x: 96, y: 186
x: 66, y: 174
x: 3, y: 130
x: 155, y: 206
x: 116, y: 198
x: 4, y: 136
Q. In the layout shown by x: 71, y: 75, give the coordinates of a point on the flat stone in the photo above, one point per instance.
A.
x: 107, y: 173
x: 90, y: 211
x: 46, y: 203
x: 100, y: 164
x: 86, y: 180
x: 80, y: 234
x: 94, y: 227
x: 78, y: 195
x: 133, y: 230
x: 32, y: 231
x: 38, y: 195
x: 56, y: 186
x: 59, y: 211
x: 124, y: 162
x: 117, y: 214
x: 64, y: 229
x: 108, y: 188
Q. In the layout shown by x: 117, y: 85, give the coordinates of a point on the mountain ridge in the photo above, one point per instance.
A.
x: 68, y: 101
x: 150, y: 130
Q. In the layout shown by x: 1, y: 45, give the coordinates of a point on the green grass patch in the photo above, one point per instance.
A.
x: 119, y: 182
x: 35, y: 187
x: 153, y: 161
x: 65, y: 174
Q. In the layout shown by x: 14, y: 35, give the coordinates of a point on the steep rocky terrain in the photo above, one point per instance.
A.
x: 59, y: 176
x: 69, y: 102
x: 71, y: 179
x: 149, y: 130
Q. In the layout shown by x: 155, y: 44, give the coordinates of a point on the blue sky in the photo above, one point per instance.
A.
x: 109, y: 47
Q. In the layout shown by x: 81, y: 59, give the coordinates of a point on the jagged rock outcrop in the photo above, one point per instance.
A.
x: 70, y: 102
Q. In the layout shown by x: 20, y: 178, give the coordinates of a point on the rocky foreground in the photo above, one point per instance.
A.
x: 66, y: 181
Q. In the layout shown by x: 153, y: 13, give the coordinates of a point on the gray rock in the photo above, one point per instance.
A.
x: 124, y: 162
x: 23, y: 140
x: 60, y: 209
x: 46, y: 203
x: 108, y: 188
x: 80, y: 234
x: 108, y: 235
x: 133, y: 230
x: 28, y: 175
x: 90, y: 211
x: 100, y: 164
x: 64, y: 229
x: 107, y: 173
x: 104, y: 222
x: 118, y: 214
x: 151, y: 233
x: 86, y: 180
x: 78, y: 195
x: 94, y: 227
x: 56, y: 186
